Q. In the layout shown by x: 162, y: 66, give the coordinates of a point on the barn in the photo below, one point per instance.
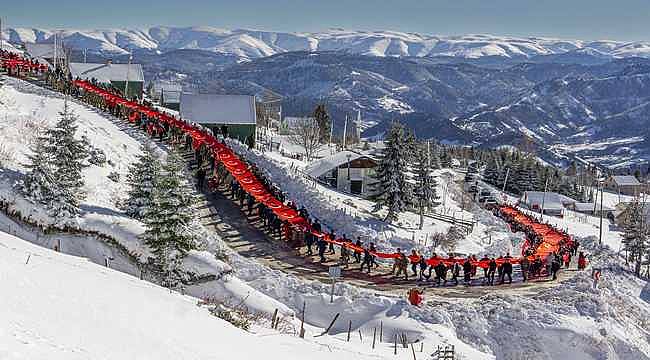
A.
x: 117, y: 75
x: 233, y: 113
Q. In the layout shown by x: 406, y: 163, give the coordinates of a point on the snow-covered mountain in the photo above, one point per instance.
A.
x: 256, y: 43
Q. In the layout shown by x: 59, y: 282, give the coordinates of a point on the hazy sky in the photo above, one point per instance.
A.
x: 584, y: 19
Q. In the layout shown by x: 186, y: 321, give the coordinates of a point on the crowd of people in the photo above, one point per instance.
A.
x: 353, y: 253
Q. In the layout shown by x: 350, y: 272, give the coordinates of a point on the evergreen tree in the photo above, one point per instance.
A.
x: 39, y: 184
x: 425, y: 188
x: 324, y: 123
x: 635, y: 234
x: 169, y: 219
x: 390, y: 188
x: 58, y: 182
x: 141, y: 179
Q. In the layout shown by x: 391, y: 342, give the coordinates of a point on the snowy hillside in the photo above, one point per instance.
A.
x: 64, y: 307
x: 257, y: 43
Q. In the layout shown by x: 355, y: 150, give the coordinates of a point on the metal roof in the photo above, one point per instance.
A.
x: 625, y: 180
x: 552, y: 201
x: 218, y: 109
x: 588, y: 207
x: 107, y: 72
x: 324, y: 165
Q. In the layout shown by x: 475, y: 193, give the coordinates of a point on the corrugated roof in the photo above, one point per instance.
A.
x: 107, y: 72
x: 587, y: 207
x: 322, y: 166
x: 218, y: 109
x: 552, y: 201
x: 626, y: 180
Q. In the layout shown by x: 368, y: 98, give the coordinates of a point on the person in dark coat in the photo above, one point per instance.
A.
x: 467, y: 272
x: 555, y: 266
x: 357, y: 254
x: 322, y: 246
x: 492, y: 268
x: 525, y: 265
x: 200, y: 178
x: 367, y: 260
x: 507, y: 271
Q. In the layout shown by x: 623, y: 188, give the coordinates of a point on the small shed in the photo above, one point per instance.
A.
x: 553, y: 203
x: 588, y: 208
x: 167, y: 94
x: 623, y: 184
x: 118, y: 75
x: 346, y: 171
x: 233, y: 113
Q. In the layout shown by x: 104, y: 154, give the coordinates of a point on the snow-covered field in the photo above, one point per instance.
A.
x: 110, y: 315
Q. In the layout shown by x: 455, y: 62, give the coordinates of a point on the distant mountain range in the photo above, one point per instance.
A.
x: 254, y: 43
x: 572, y: 99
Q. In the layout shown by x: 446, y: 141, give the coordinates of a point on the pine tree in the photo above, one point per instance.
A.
x: 68, y: 156
x: 323, y: 120
x: 390, y: 189
x: 635, y: 234
x: 141, y: 180
x: 55, y: 178
x: 169, y: 219
x: 39, y: 184
x: 425, y: 188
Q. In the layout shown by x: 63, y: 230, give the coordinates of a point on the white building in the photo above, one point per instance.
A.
x: 347, y: 171
x: 553, y: 203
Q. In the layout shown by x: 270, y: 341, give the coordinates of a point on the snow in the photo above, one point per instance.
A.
x: 64, y: 307
x: 249, y: 43
x: 107, y: 314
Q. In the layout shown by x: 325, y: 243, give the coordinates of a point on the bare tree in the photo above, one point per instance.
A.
x: 305, y: 132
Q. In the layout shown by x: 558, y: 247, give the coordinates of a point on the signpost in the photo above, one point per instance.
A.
x: 334, y: 273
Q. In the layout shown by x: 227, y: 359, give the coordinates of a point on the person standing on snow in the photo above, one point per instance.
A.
x: 367, y: 260
x: 467, y: 272
x: 555, y: 266
x: 582, y: 261
x: 525, y: 265
x: 492, y: 268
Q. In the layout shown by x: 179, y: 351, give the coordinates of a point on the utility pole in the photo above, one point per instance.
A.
x: 2, y: 45
x: 600, y: 238
x: 541, y: 215
x: 128, y: 68
x: 505, y: 181
x: 331, y: 135
x: 345, y: 133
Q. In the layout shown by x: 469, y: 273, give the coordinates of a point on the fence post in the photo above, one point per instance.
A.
x: 302, y: 322
x: 413, y: 351
x: 374, y: 337
x: 381, y: 331
x: 275, y: 315
x: 395, y: 348
x: 349, y: 329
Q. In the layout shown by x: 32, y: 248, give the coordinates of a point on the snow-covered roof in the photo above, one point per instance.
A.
x: 43, y: 51
x: 321, y: 167
x: 587, y: 207
x: 107, y: 72
x: 218, y: 109
x: 626, y: 180
x: 291, y: 121
x: 552, y: 201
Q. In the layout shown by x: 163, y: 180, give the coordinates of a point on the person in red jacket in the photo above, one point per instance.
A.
x: 415, y: 296
x: 582, y: 261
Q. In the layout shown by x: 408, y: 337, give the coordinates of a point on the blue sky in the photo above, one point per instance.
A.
x: 584, y: 19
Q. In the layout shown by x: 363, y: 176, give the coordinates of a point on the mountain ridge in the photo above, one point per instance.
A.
x: 251, y: 43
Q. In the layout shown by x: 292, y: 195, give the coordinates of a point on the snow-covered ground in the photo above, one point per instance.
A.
x: 350, y: 215
x: 104, y: 314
